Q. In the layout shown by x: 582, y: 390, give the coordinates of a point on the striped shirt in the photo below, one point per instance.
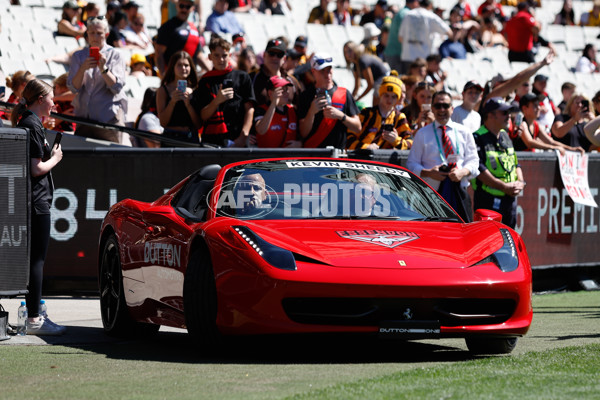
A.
x: 372, y: 122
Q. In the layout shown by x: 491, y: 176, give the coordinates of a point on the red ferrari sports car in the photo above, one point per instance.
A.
x: 312, y: 245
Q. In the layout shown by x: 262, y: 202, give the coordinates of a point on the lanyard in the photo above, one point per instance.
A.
x: 442, y: 155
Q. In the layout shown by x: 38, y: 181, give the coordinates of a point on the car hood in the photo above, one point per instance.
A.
x: 384, y: 244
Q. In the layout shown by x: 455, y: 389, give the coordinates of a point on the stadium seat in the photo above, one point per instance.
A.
x: 57, y: 69
x: 10, y: 65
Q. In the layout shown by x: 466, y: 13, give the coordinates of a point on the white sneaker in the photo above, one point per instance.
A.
x: 44, y: 327
x: 63, y: 329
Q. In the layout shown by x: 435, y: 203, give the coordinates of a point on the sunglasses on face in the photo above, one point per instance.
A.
x: 439, y: 106
x: 321, y: 61
x: 275, y: 54
x: 184, y: 6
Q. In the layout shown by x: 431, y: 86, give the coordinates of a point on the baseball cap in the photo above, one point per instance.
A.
x: 238, y: 37
x: 540, y: 77
x: 293, y: 54
x: 529, y: 98
x: 472, y: 84
x: 382, y: 3
x: 277, y: 82
x: 71, y: 4
x: 276, y: 44
x: 130, y: 4
x: 113, y: 5
x: 371, y: 30
x: 321, y: 61
x: 301, y: 41
x: 497, y: 79
x: 497, y: 105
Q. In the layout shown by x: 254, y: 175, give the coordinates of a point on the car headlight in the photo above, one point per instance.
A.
x: 505, y: 257
x: 274, y: 255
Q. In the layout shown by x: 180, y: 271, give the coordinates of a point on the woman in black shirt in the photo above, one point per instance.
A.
x: 36, y: 103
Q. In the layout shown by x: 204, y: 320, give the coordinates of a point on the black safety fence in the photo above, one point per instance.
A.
x: 558, y: 233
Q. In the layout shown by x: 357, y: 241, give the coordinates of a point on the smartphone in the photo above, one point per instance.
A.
x: 181, y: 85
x: 387, y: 127
x: 518, y: 119
x: 95, y: 52
x: 57, y: 139
x: 425, y: 107
x: 227, y: 83
x: 2, y: 91
x: 585, y: 104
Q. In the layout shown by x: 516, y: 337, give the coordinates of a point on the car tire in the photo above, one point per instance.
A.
x: 200, y: 302
x: 491, y: 346
x: 115, y: 314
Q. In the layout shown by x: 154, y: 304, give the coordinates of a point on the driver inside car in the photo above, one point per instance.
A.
x: 252, y: 193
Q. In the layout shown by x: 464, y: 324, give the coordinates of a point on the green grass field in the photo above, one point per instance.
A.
x: 559, y: 358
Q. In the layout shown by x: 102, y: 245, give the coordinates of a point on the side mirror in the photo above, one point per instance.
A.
x: 487, y: 215
x: 159, y: 215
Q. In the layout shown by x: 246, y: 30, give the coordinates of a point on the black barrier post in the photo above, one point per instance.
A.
x: 14, y: 212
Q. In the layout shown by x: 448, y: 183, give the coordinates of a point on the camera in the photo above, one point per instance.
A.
x: 227, y: 83
x: 445, y: 168
x: 425, y: 107
x: 387, y: 127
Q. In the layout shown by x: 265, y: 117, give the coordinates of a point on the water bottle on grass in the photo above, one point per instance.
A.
x: 22, y: 320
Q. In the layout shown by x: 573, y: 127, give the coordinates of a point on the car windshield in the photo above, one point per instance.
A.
x: 326, y: 189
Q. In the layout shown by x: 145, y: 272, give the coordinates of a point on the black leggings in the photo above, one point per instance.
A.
x: 40, y: 236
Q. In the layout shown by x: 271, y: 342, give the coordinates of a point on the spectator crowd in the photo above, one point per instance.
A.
x: 217, y: 90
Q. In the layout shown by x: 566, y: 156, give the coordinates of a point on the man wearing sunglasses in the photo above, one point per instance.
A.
x: 326, y: 112
x: 444, y: 155
x: 178, y: 34
x: 274, y: 58
x: 500, y: 177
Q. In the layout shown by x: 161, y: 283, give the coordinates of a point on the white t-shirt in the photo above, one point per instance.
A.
x: 470, y: 119
x: 417, y: 32
x: 546, y: 119
x: 585, y: 65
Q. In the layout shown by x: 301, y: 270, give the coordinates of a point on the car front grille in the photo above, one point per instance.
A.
x: 371, y: 311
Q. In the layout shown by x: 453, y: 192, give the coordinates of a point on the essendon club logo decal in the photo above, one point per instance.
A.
x: 389, y: 239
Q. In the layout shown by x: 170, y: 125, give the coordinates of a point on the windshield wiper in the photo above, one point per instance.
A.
x: 436, y: 218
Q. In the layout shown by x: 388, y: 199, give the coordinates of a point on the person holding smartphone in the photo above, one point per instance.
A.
x: 418, y: 111
x: 326, y: 111
x: 383, y: 126
x: 530, y: 134
x: 173, y: 99
x: 97, y: 77
x: 224, y: 100
x: 568, y: 128
x: 36, y: 103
